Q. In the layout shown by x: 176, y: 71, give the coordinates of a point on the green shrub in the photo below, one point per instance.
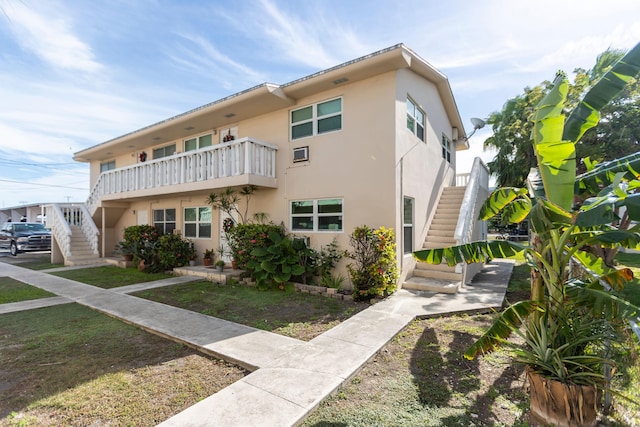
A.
x: 276, y: 263
x: 159, y: 253
x: 243, y: 238
x: 374, y: 272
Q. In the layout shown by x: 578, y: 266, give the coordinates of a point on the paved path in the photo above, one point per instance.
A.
x: 290, y: 377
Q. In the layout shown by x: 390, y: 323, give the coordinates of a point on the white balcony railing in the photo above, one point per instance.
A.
x: 469, y: 228
x: 244, y: 156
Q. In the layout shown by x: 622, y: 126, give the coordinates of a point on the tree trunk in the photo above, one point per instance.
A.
x: 559, y: 404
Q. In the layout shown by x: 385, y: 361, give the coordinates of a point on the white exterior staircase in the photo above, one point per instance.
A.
x: 454, y: 223
x: 81, y: 252
x: 441, y: 277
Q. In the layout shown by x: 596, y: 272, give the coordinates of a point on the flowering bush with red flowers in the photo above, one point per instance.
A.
x: 374, y: 272
x: 243, y: 238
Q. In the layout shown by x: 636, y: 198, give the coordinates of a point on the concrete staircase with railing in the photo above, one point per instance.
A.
x: 81, y: 252
x: 440, y: 277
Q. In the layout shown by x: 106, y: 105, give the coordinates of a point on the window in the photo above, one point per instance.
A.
x: 316, y: 119
x: 197, y: 223
x: 198, y: 142
x: 407, y: 225
x: 415, y: 119
x: 316, y: 215
x: 446, y: 148
x: 166, y: 151
x: 164, y: 220
x: 107, y: 166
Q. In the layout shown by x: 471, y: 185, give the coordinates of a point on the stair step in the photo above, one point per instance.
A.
x: 446, y: 240
x: 425, y: 266
x: 440, y: 232
x: 438, y: 275
x: 436, y: 245
x: 432, y: 285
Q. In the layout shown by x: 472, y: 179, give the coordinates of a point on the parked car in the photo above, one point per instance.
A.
x: 25, y: 237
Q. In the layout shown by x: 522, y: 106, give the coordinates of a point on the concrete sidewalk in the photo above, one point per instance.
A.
x: 290, y: 377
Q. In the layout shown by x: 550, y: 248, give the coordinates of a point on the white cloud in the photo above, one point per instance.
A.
x: 47, y: 34
x: 208, y: 61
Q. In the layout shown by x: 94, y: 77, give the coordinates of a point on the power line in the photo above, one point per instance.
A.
x: 41, y: 185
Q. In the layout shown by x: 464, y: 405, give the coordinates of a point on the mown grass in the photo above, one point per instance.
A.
x: 69, y: 365
x: 33, y: 262
x: 108, y: 277
x: 302, y: 316
x: 12, y: 290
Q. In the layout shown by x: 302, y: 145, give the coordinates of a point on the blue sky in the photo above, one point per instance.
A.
x: 74, y: 73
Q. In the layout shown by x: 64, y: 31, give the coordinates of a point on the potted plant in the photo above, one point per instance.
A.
x: 208, y: 257
x: 220, y: 265
x: 569, y: 323
x: 125, y: 249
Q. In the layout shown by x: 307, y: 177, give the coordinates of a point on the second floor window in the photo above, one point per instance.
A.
x: 198, y: 142
x: 446, y: 148
x: 107, y: 166
x: 316, y: 119
x: 415, y: 119
x: 166, y: 151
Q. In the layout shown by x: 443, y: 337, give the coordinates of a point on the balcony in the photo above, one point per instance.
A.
x: 241, y: 162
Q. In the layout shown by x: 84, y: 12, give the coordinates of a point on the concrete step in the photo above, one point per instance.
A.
x: 432, y: 285
x: 444, y: 220
x: 82, y: 260
x: 441, y: 231
x: 439, y: 275
x: 446, y: 240
x: 435, y: 245
x: 424, y: 266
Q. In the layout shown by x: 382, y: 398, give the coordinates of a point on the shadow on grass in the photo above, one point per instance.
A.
x: 469, y: 388
x: 48, y: 352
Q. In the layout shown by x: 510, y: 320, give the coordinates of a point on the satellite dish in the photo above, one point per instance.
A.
x: 477, y: 123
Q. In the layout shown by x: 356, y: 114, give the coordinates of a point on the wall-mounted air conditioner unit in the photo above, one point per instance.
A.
x: 300, y: 154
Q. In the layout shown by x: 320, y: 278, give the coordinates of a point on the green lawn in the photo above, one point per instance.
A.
x: 12, y: 290
x: 69, y: 365
x: 287, y: 312
x: 108, y: 277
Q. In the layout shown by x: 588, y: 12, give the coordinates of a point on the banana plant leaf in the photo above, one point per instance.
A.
x: 604, y: 174
x: 509, y: 320
x: 481, y: 251
x: 616, y: 278
x: 502, y: 198
x: 602, y: 302
x: 556, y: 157
x: 546, y: 215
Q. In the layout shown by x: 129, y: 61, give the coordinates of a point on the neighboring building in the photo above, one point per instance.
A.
x: 372, y: 141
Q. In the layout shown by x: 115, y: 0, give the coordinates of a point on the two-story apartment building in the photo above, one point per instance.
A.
x: 372, y: 141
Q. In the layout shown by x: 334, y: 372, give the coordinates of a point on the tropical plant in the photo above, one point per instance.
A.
x: 562, y: 234
x: 244, y: 238
x: 227, y: 201
x: 209, y: 254
x: 374, y: 272
x: 275, y: 264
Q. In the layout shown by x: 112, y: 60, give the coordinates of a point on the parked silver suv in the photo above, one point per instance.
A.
x: 24, y: 237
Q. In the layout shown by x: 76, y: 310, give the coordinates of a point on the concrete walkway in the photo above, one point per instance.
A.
x: 290, y: 377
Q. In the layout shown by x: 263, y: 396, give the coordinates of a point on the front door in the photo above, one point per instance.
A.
x: 223, y: 237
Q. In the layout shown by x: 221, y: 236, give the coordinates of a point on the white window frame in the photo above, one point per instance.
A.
x: 407, y: 225
x: 417, y: 125
x: 314, y: 119
x: 164, y: 221
x: 446, y: 148
x: 155, y: 151
x: 107, y: 166
x: 316, y: 215
x: 197, y: 222
x: 198, y: 143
